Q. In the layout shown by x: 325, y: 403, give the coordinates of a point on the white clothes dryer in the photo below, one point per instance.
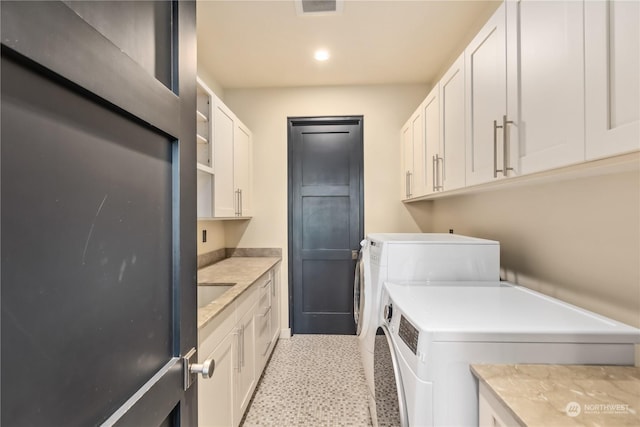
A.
x: 413, y: 256
x: 435, y: 331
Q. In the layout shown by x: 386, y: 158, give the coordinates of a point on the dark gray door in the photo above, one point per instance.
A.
x: 325, y: 221
x: 98, y: 213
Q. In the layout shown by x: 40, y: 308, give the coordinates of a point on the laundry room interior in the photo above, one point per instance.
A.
x: 571, y: 231
x: 321, y: 213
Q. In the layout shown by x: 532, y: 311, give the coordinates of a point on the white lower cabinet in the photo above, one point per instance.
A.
x: 216, y: 400
x: 239, y: 340
x: 246, y: 360
x: 491, y: 412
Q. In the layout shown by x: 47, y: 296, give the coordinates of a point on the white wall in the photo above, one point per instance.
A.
x: 265, y: 112
x: 577, y: 240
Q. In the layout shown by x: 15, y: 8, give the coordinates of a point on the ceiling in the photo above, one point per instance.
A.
x: 249, y: 44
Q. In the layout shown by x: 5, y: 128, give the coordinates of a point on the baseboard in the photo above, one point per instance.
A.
x: 285, y: 334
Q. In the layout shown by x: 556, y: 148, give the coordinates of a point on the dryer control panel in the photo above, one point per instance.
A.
x: 409, y: 334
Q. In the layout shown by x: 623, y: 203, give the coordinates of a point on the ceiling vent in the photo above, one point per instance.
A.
x: 318, y: 7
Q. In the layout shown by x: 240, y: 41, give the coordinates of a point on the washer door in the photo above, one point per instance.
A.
x: 391, y: 408
x: 358, y: 294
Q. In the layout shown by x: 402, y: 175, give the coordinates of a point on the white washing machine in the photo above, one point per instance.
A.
x: 434, y: 332
x: 413, y: 256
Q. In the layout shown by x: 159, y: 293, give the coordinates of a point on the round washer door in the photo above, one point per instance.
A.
x: 391, y: 408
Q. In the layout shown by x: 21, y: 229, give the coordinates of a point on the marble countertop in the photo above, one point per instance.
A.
x: 241, y: 271
x: 566, y: 395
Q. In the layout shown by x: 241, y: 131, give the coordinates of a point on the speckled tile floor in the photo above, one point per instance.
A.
x: 311, y: 380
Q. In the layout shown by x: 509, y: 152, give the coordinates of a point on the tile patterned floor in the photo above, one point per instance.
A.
x: 311, y: 380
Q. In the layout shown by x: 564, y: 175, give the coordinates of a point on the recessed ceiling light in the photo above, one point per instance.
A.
x: 321, y: 55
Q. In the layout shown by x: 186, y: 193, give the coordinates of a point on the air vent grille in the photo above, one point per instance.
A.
x: 318, y: 7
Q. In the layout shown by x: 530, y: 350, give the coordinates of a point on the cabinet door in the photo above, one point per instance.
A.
x: 216, y: 395
x: 546, y: 55
x: 246, y: 360
x: 486, y: 98
x: 242, y: 165
x: 263, y: 326
x: 223, y: 131
x: 431, y: 112
x: 612, y: 58
x: 418, y: 183
x: 275, y: 305
x: 406, y: 159
x: 452, y: 138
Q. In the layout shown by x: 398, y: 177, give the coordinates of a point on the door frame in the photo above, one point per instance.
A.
x: 317, y: 121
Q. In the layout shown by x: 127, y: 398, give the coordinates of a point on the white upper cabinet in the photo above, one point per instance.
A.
x: 233, y: 143
x: 451, y: 170
x: 406, y: 157
x: 413, y: 157
x: 223, y: 127
x: 545, y: 69
x: 242, y: 169
x: 485, y: 63
x: 612, y: 59
x: 431, y: 112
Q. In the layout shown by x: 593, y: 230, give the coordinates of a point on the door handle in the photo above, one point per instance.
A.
x: 354, y: 254
x: 192, y: 369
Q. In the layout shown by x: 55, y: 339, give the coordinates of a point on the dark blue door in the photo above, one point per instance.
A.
x: 326, y: 221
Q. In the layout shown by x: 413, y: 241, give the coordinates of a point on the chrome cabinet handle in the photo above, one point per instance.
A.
x: 505, y: 139
x: 495, y: 148
x: 441, y: 175
x: 241, y: 207
x: 237, y: 334
x: 242, y: 332
x: 434, y: 166
x: 406, y: 184
x: 410, y: 189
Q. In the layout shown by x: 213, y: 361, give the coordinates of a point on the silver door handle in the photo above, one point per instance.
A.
x: 205, y: 369
x: 191, y: 369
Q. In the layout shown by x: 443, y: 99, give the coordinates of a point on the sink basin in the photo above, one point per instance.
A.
x: 208, y: 292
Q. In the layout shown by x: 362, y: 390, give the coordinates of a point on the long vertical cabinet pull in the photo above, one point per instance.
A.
x: 238, y: 344
x: 242, y: 353
x: 495, y: 149
x: 439, y: 173
x: 505, y: 139
x: 238, y: 202
x: 410, y: 189
x: 406, y: 184
x: 505, y: 147
x: 434, y: 173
